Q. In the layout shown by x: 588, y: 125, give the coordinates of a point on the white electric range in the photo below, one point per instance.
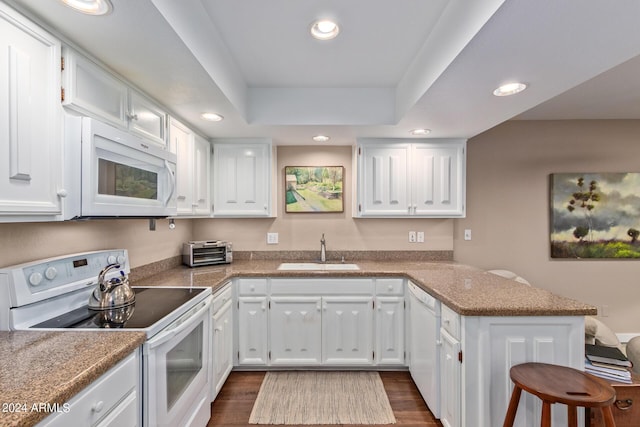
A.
x: 53, y: 294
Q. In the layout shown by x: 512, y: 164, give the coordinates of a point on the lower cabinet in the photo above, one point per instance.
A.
x: 222, y: 342
x: 296, y: 330
x: 319, y: 322
x: 252, y: 331
x: 390, y: 330
x: 113, y: 400
x: 450, y: 369
x: 347, y: 330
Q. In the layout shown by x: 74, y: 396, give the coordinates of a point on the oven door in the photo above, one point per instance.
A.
x: 177, y: 371
x: 124, y: 176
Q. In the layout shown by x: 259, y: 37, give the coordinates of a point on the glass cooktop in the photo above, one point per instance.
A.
x: 151, y: 305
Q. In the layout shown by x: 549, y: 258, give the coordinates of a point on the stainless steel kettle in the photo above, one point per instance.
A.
x: 112, y: 293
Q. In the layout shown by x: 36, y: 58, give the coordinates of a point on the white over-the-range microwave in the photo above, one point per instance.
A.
x: 112, y: 173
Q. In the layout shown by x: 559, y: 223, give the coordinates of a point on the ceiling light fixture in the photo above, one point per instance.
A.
x: 324, y: 29
x: 90, y: 7
x: 420, y: 132
x: 321, y: 138
x: 509, y: 89
x: 212, y: 117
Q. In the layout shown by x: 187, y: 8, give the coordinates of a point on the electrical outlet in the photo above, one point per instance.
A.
x: 412, y: 237
x: 467, y: 234
x: 272, y: 238
x: 420, y: 236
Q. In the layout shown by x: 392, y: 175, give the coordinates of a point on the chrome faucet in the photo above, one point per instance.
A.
x: 323, y: 249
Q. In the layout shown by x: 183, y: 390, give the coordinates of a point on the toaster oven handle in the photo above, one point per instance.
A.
x: 172, y: 181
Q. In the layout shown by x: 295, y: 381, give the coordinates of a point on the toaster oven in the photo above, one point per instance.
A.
x: 206, y: 252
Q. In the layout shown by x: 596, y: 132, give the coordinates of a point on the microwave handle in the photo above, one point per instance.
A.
x: 172, y: 181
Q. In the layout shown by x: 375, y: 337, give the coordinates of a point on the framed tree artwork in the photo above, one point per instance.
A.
x: 314, y: 189
x: 595, y: 215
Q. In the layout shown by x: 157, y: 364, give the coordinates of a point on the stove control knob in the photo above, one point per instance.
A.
x: 121, y: 259
x: 111, y: 259
x: 50, y: 273
x: 35, y: 279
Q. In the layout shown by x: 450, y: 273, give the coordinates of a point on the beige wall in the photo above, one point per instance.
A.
x: 31, y: 241
x: 508, y: 171
x: 342, y: 232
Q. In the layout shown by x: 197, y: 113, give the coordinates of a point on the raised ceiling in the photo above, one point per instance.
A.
x: 395, y: 66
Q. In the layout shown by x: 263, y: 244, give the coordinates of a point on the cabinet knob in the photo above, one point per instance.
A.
x: 132, y: 116
x: 98, y: 406
x: 390, y: 287
x: 438, y: 342
x: 62, y: 193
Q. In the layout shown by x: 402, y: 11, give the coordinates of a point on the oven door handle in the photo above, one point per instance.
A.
x: 183, y: 323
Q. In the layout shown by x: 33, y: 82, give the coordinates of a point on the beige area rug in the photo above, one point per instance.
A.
x: 320, y: 397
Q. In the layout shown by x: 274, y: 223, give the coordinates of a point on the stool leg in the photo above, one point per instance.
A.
x: 546, y: 414
x: 572, y: 412
x: 607, y: 415
x: 513, y: 407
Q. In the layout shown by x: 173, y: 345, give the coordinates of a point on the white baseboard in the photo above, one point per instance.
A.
x: 625, y: 337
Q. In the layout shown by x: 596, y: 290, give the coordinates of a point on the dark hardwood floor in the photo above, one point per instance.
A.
x: 233, y: 405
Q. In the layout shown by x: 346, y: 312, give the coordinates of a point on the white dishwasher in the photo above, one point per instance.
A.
x: 424, y: 362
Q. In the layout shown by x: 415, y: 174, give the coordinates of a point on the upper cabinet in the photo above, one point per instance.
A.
x: 192, y: 170
x: 242, y: 177
x: 411, y: 178
x: 91, y: 90
x: 31, y: 165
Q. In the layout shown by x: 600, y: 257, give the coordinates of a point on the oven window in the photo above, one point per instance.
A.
x: 116, y: 179
x: 184, y: 362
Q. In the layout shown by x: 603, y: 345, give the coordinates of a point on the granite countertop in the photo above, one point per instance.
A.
x: 41, y: 367
x: 467, y: 290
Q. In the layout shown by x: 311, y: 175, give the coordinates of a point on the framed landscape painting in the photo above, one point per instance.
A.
x: 595, y: 215
x: 314, y: 189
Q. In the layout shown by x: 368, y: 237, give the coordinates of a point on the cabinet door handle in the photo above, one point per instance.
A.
x: 624, y: 405
x: 98, y: 406
x: 132, y: 116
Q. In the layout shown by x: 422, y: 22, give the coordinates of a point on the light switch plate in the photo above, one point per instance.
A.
x: 272, y: 238
x: 467, y: 234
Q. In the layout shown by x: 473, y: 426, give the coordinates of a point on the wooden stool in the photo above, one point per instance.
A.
x: 560, y: 384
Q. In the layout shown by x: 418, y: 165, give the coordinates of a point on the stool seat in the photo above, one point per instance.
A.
x: 560, y: 384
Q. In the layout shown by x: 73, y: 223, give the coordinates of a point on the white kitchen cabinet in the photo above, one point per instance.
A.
x: 113, y: 400
x: 91, y: 90
x: 477, y: 353
x: 222, y: 342
x: 31, y: 170
x: 347, y: 330
x: 384, y: 179
x: 390, y: 330
x: 295, y: 330
x: 242, y: 177
x: 407, y: 178
x: 450, y: 369
x: 146, y: 118
x: 250, y: 334
x: 252, y: 331
x: 192, y: 170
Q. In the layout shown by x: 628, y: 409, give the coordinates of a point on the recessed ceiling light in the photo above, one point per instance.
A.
x: 509, y: 89
x: 324, y: 29
x: 212, y: 117
x: 321, y: 138
x: 420, y: 132
x: 90, y: 7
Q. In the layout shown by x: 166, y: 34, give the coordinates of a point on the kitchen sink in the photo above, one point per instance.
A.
x: 314, y: 266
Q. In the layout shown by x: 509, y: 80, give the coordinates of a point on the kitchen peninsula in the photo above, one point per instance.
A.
x: 493, y: 323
